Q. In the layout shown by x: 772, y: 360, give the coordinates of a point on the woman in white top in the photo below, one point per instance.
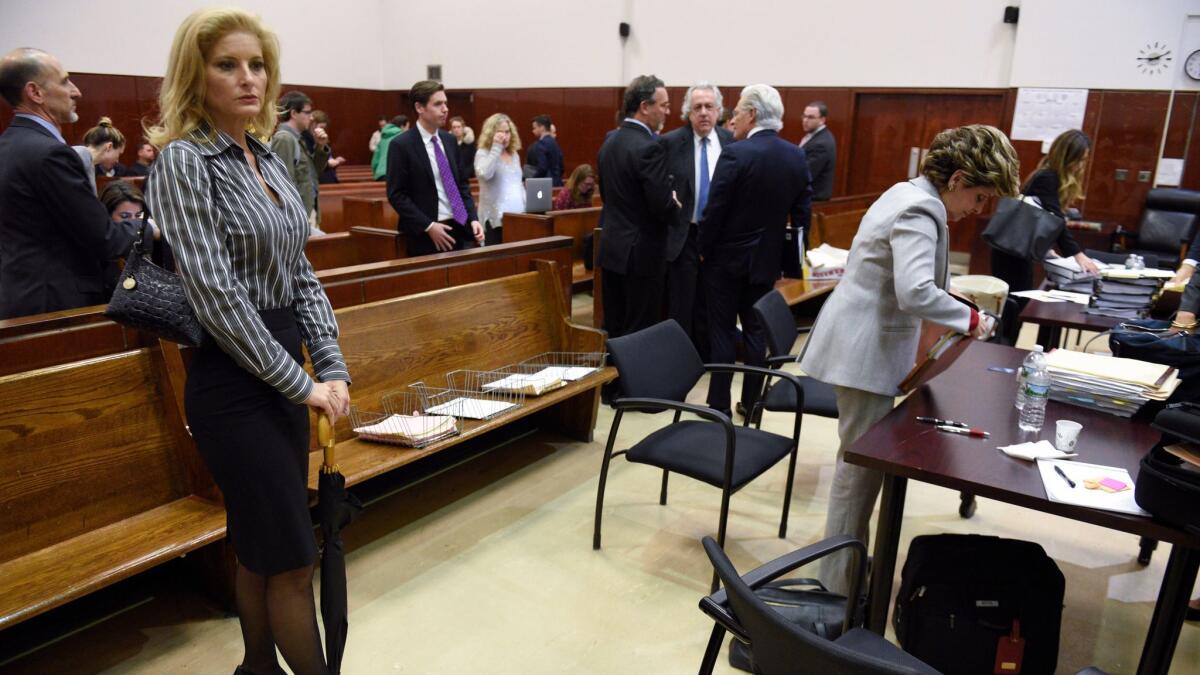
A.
x: 498, y: 168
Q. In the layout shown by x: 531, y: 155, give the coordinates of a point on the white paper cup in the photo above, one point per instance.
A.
x: 1066, y: 435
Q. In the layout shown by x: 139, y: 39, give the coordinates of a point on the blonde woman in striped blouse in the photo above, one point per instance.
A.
x: 237, y: 227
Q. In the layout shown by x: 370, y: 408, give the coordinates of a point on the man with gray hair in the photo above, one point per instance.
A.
x: 759, y: 182
x: 692, y: 151
x: 55, y: 237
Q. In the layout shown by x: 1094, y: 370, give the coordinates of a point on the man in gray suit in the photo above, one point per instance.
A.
x: 692, y: 152
x: 865, y: 339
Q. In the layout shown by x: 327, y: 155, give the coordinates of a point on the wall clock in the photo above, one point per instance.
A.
x: 1154, y: 58
x: 1191, y: 66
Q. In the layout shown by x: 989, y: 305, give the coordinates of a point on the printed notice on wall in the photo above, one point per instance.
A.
x: 1043, y: 114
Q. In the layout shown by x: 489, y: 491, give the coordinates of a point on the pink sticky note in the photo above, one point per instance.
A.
x: 1113, y: 485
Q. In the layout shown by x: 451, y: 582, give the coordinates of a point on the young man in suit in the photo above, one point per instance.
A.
x: 639, y: 207
x: 759, y: 182
x: 821, y: 149
x: 424, y: 182
x: 545, y: 158
x: 692, y: 151
x: 55, y: 237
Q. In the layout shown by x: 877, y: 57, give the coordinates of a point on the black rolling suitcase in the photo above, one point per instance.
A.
x: 971, y: 605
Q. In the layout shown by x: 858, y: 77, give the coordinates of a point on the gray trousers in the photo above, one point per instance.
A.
x: 855, y: 488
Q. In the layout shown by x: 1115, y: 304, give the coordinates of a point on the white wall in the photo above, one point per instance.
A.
x: 1094, y: 44
x: 386, y: 44
x: 337, y: 44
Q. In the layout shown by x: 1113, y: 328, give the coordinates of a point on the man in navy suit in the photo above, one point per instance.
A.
x: 545, y: 158
x: 56, y: 238
x: 693, y: 151
x: 759, y: 183
x: 425, y: 183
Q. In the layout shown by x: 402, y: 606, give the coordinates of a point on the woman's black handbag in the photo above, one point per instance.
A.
x: 151, y: 299
x: 1021, y: 229
x: 1151, y: 340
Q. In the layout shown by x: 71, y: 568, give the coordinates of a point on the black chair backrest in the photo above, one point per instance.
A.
x: 783, y: 648
x: 1168, y: 219
x: 656, y: 362
x: 1119, y: 258
x: 776, y: 317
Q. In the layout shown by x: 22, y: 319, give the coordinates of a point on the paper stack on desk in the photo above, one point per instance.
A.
x: 1107, y: 383
x: 530, y: 384
x: 411, y: 430
x: 1067, y: 275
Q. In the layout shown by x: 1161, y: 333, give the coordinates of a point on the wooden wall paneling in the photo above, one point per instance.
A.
x: 1129, y: 130
x: 1179, y: 125
x: 587, y: 115
x: 886, y: 126
x: 112, y: 96
x: 462, y: 104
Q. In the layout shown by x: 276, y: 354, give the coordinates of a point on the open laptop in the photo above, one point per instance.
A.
x: 538, y: 193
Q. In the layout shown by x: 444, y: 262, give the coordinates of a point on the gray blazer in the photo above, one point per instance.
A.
x: 85, y: 156
x: 866, y: 334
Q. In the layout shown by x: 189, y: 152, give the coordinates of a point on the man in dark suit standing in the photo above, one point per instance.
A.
x: 821, y: 149
x: 545, y: 158
x: 55, y: 236
x: 692, y: 152
x: 638, y: 210
x: 425, y: 183
x: 760, y: 181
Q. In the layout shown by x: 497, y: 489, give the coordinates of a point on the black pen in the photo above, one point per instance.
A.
x: 947, y: 423
x: 1059, y: 471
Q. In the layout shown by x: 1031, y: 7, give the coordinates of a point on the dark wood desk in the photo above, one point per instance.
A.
x: 902, y: 449
x: 1052, y: 317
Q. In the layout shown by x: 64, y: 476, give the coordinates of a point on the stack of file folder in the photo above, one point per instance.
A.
x: 1123, y: 298
x: 412, y: 430
x: 1067, y: 275
x: 1106, y: 383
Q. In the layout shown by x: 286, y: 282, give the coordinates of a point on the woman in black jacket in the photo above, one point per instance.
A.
x: 1056, y: 184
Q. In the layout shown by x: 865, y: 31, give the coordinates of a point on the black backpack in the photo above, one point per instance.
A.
x: 971, y: 604
x: 1167, y: 486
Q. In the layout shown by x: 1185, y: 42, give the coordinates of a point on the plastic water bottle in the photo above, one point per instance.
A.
x: 1037, y: 392
x: 1035, y: 360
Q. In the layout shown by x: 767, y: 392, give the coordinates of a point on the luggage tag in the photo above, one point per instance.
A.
x: 1009, y: 651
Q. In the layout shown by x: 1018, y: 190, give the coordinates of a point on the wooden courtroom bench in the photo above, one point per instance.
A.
x: 61, y: 337
x: 835, y: 222
x: 99, y: 479
x: 479, y: 326
x: 574, y: 223
x: 331, y: 198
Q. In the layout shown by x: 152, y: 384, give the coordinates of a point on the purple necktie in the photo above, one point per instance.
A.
x: 452, y: 193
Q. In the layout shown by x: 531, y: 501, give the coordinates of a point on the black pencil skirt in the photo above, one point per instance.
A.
x: 255, y: 443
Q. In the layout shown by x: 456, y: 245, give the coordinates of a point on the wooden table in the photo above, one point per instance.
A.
x: 903, y: 449
x: 1052, y: 317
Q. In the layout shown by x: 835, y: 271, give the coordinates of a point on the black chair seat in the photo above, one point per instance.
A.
x: 697, y: 450
x: 819, y: 397
x: 867, y: 643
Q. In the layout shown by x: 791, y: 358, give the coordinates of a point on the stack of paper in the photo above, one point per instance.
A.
x: 530, y: 384
x: 1123, y: 297
x: 410, y: 430
x: 1067, y: 275
x: 1107, y: 383
x: 827, y: 262
x: 471, y: 408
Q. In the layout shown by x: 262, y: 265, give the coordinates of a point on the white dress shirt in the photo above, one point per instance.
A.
x: 444, y: 210
x: 714, y: 151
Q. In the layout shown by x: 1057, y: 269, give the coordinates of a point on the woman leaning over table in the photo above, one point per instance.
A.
x: 237, y: 228
x: 498, y: 167
x: 865, y: 339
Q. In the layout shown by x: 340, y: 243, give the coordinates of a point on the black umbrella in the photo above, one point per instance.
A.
x: 337, y: 508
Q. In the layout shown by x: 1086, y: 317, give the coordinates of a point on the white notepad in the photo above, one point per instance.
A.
x: 1057, y: 489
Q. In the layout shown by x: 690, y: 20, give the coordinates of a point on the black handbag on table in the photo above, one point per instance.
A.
x: 151, y: 299
x: 1021, y: 229
x: 1166, y: 485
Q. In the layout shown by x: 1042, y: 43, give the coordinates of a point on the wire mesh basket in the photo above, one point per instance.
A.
x: 403, y: 422
x: 568, y: 366
x: 464, y: 398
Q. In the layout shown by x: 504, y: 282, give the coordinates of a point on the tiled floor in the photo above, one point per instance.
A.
x: 488, y: 568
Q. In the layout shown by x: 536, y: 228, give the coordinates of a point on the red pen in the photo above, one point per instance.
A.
x: 974, y: 433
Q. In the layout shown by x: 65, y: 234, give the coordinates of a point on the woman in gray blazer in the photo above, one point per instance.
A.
x: 865, y: 339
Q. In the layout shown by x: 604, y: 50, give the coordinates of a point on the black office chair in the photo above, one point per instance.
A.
x: 658, y: 366
x: 783, y: 648
x: 780, y: 328
x: 1167, y: 225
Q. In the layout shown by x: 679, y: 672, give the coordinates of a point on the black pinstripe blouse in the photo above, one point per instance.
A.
x: 239, y: 252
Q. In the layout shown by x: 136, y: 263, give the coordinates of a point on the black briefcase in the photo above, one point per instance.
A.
x: 1167, y: 485
x: 1023, y: 230
x: 804, y: 602
x: 971, y: 604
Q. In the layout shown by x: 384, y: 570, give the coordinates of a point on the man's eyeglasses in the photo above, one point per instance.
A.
x: 129, y: 215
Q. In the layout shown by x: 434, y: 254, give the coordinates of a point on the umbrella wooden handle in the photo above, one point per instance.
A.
x: 325, y: 437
